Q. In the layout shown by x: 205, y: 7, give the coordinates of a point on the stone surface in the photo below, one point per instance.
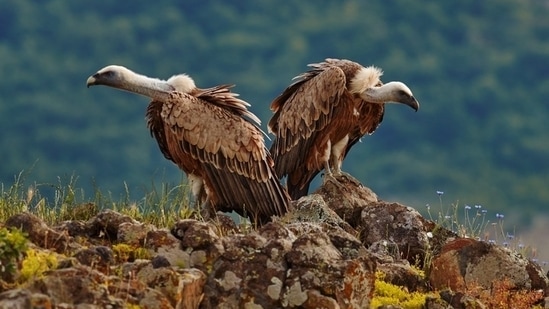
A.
x: 39, y: 233
x: 324, y: 254
x: 465, y: 262
x: 396, y: 225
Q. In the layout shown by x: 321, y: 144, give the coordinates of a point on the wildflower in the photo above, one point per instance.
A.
x: 499, y: 216
x: 428, y: 206
x: 492, y: 242
x: 535, y: 260
x: 447, y: 217
x: 484, y: 211
x: 478, y: 206
x: 467, y: 207
x: 440, y: 192
x: 429, y: 235
x: 521, y: 246
x: 505, y: 244
x: 510, y: 236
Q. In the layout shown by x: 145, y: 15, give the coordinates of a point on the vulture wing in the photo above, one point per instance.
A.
x: 209, y: 135
x: 302, y: 113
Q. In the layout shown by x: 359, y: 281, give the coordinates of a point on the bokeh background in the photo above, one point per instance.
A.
x: 480, y: 70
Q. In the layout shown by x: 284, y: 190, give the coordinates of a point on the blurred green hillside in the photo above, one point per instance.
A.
x: 480, y: 70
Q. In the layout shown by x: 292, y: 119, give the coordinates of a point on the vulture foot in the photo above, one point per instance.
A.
x: 329, y: 177
x: 207, y: 212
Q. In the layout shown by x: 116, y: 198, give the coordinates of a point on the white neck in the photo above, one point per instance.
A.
x: 153, y: 88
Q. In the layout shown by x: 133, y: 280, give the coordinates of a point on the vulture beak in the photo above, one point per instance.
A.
x: 92, y: 80
x: 413, y: 103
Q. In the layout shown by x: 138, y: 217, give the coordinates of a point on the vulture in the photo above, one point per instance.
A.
x: 323, y: 113
x: 212, y: 136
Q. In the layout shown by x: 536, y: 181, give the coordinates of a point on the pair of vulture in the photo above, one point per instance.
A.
x: 212, y: 136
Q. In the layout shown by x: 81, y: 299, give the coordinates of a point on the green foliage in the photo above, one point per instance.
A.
x: 13, y: 244
x: 126, y: 253
x: 477, y: 68
x: 35, y: 263
x: 161, y: 206
x: 389, y: 294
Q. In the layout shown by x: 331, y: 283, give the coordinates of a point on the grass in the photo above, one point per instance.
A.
x: 161, y: 206
x: 474, y: 222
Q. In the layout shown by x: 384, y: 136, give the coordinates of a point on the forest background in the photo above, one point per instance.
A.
x: 480, y: 70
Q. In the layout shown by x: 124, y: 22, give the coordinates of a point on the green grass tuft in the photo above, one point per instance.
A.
x: 161, y: 206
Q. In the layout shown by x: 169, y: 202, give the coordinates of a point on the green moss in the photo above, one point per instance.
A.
x: 13, y: 244
x: 125, y: 253
x: 389, y: 294
x: 36, y: 263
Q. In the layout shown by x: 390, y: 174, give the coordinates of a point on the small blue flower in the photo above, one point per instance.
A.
x: 521, y: 246
x: 467, y: 207
x: 478, y: 206
x: 484, y: 211
x: 492, y: 242
x: 500, y: 216
x: 428, y: 206
x: 505, y: 244
x: 447, y: 217
x: 535, y: 260
x: 510, y: 236
x: 440, y: 192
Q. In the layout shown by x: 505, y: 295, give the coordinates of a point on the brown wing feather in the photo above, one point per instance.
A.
x: 225, y: 149
x: 302, y: 113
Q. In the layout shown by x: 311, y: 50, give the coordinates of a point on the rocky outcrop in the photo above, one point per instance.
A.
x: 328, y: 252
x: 465, y: 262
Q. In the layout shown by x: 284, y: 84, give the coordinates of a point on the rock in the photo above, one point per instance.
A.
x: 39, y: 233
x: 461, y: 300
x: 190, y: 289
x: 290, y: 266
x: 402, y: 274
x: 106, y: 224
x: 163, y: 244
x: 323, y: 254
x: 16, y: 299
x: 313, y: 208
x: 317, y: 265
x: 96, y: 256
x: 73, y: 228
x: 76, y: 285
x: 133, y: 233
x: 465, y: 262
x: 347, y: 198
x: 395, y: 224
x: 200, y: 241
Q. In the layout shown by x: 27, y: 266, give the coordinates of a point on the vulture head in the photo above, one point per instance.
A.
x: 113, y: 75
x: 367, y: 84
x: 125, y: 79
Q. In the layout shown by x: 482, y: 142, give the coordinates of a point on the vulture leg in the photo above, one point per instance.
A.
x: 329, y: 176
x: 207, y: 211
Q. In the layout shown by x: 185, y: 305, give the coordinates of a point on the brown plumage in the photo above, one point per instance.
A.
x: 211, y: 136
x: 319, y: 117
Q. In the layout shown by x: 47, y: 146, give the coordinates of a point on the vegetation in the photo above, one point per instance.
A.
x: 37, y: 262
x: 162, y: 206
x: 13, y: 244
x: 386, y: 293
x: 477, y: 68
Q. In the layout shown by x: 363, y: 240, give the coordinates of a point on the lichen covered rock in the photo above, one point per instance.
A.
x: 466, y: 262
x: 331, y: 251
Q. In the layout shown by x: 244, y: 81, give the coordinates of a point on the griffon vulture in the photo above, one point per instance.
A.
x: 212, y: 137
x: 321, y: 115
